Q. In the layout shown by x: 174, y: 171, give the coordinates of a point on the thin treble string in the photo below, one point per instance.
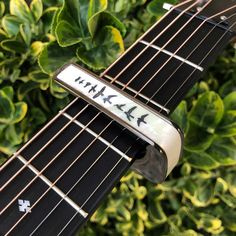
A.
x: 41, y: 149
x: 53, y: 184
x: 35, y: 136
x: 163, y: 31
x: 163, y: 47
x: 174, y: 54
x: 201, y: 62
x: 210, y: 32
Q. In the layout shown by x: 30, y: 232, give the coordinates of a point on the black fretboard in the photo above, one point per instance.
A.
x: 164, y: 73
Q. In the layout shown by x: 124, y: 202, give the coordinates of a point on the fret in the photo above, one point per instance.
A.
x: 53, y: 187
x: 173, y: 55
x: 96, y: 136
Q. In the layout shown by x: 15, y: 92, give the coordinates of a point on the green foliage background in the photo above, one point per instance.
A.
x: 199, y: 197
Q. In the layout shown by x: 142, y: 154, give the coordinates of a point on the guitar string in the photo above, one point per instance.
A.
x: 175, y: 53
x: 17, y: 153
x: 194, y: 70
x: 161, y: 49
x: 95, y: 189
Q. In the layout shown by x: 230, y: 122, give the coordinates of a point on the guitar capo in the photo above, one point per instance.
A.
x: 164, y: 138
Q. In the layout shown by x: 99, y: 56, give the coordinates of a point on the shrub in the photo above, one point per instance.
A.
x: 199, y: 197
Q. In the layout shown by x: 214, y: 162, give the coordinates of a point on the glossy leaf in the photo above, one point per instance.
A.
x: 20, y: 9
x: 208, y: 111
x: 20, y: 112
x: 11, y: 24
x: 202, y: 161
x: 223, y: 151
x: 227, y: 127
x: 36, y: 7
x: 109, y: 46
x: 230, y: 101
x: 53, y: 57
x: 7, y: 108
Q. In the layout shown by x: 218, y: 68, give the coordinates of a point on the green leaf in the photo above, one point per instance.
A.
x: 227, y: 127
x: 9, y: 92
x: 11, y: 24
x: 230, y: 101
x: 180, y: 116
x: 156, y: 212
x: 231, y: 180
x: 75, y: 14
x: 53, y: 57
x: 20, y: 112
x: 2, y: 8
x: 228, y: 200
x: 13, y: 136
x: 25, y: 32
x: 7, y: 108
x: 155, y: 7
x: 229, y: 219
x: 202, y: 161
x: 197, y: 138
x: 36, y: 7
x: 20, y: 9
x: 223, y: 151
x: 96, y: 6
x: 14, y: 45
x: 109, y: 46
x: 67, y: 34
x: 208, y: 111
x: 98, y: 21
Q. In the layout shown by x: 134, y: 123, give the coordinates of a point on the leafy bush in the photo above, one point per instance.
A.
x: 199, y: 197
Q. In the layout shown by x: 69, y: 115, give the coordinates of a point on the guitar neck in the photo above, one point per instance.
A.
x: 70, y: 165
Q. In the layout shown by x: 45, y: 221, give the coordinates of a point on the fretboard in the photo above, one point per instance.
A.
x: 164, y: 64
x: 65, y: 171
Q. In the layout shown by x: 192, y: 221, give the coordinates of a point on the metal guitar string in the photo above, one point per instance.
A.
x: 156, y: 73
x: 17, y: 153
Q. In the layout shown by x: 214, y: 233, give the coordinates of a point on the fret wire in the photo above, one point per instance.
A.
x: 172, y: 9
x: 99, y: 138
x: 201, y: 61
x: 163, y: 47
x: 35, y: 136
x: 211, y: 31
x: 194, y: 32
x: 41, y: 149
x: 67, y: 170
x: 173, y: 55
x: 53, y: 187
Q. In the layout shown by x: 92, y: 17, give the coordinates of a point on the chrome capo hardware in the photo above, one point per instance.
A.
x: 164, y: 139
